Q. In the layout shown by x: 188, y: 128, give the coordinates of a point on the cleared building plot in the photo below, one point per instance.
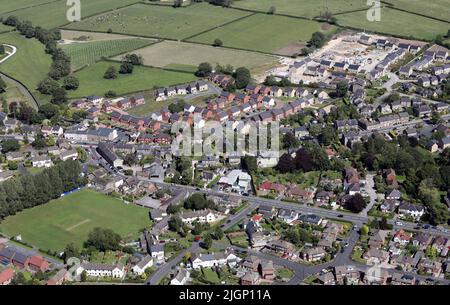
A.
x: 396, y: 23
x: 54, y: 14
x: 302, y: 8
x: 265, y: 33
x: 160, y: 21
x: 87, y: 53
x: 172, y: 54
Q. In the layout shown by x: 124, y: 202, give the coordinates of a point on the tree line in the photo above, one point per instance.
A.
x: 29, y: 191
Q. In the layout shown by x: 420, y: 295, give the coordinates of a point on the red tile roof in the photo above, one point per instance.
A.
x: 6, y: 275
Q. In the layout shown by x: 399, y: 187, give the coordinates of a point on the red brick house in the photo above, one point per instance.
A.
x: 37, y: 263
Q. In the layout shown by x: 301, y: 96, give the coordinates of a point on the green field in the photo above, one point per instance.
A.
x: 160, y: 21
x: 260, y: 32
x: 70, y: 219
x: 434, y: 8
x: 54, y: 14
x: 173, y: 54
x: 142, y: 78
x: 302, y: 8
x: 13, y: 94
x: 8, y: 5
x: 5, y: 28
x: 87, y: 53
x: 396, y: 23
x: 29, y: 65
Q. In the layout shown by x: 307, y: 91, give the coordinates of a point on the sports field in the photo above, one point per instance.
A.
x: 302, y: 8
x: 142, y: 78
x: 30, y: 64
x: 173, y: 54
x: 160, y: 21
x: 435, y: 8
x: 87, y: 53
x: 261, y: 32
x: 54, y: 14
x: 70, y: 219
x: 397, y: 23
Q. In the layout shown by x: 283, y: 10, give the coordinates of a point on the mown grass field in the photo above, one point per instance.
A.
x: 13, y: 94
x: 91, y: 36
x: 261, y: 32
x: 29, y: 65
x: 8, y: 5
x: 54, y: 14
x: 142, y: 78
x: 302, y: 8
x: 71, y: 218
x: 87, y: 53
x: 173, y: 53
x: 434, y: 8
x: 397, y: 23
x: 160, y: 21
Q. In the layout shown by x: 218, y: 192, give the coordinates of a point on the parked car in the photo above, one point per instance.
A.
x: 398, y: 223
x: 340, y: 215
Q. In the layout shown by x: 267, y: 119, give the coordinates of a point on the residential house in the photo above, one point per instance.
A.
x: 181, y: 277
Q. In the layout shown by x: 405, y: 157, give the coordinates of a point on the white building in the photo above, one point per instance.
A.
x: 42, y: 161
x: 157, y: 252
x: 215, y: 259
x: 237, y: 180
x: 203, y: 216
x: 181, y: 277
x: 69, y: 154
x: 102, y: 270
x: 145, y: 263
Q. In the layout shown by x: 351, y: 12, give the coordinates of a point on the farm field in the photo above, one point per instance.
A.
x: 173, y: 53
x: 8, y: 6
x: 160, y: 21
x: 20, y: 67
x: 265, y: 33
x: 87, y: 53
x: 435, y: 8
x: 55, y: 12
x: 302, y: 8
x: 396, y: 23
x: 142, y: 78
x: 71, y: 218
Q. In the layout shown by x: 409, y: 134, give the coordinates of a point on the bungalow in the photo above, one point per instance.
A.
x: 376, y: 256
x: 288, y: 216
x: 6, y: 276
x: 313, y: 254
x: 310, y: 219
x: 201, y: 260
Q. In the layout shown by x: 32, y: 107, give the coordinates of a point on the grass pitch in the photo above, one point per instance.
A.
x: 70, y: 219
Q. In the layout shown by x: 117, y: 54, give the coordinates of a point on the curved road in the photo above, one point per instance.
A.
x: 24, y: 90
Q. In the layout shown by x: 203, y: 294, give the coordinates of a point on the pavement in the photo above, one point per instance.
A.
x: 370, y: 189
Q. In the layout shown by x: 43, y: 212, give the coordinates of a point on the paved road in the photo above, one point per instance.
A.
x: 370, y: 188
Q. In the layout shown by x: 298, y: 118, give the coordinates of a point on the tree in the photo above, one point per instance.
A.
x: 49, y: 110
x: 103, y: 240
x: 198, y: 201
x: 356, y: 203
x: 13, y: 165
x: 272, y: 10
x: 71, y: 83
x: 110, y: 73
x: 126, y: 68
x: 83, y: 276
x: 47, y: 86
x: 175, y: 223
x: 173, y: 208
x: 59, y: 96
x: 217, y: 43
x: 218, y: 233
x: 11, y: 21
x: 10, y: 145
x: 134, y: 59
x: 177, y: 107
x: 39, y: 141
x: 317, y: 40
x: 290, y: 141
x: 341, y: 89
x: 242, y: 77
x: 204, y: 69
x: 70, y: 251
x: 207, y: 241
x: 286, y: 164
x: 110, y: 94
x: 249, y: 163
x: 130, y: 159
x: 364, y: 230
x: 3, y: 85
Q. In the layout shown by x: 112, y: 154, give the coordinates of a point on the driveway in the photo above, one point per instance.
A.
x: 370, y: 189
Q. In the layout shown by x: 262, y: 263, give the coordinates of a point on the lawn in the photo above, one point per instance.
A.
x: 142, y: 78
x: 173, y: 54
x: 70, y: 219
x: 160, y: 21
x: 20, y: 67
x: 13, y: 94
x: 285, y: 273
x: 435, y: 8
x: 302, y: 8
x: 265, y: 33
x: 87, y: 53
x: 396, y: 23
x: 56, y: 12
